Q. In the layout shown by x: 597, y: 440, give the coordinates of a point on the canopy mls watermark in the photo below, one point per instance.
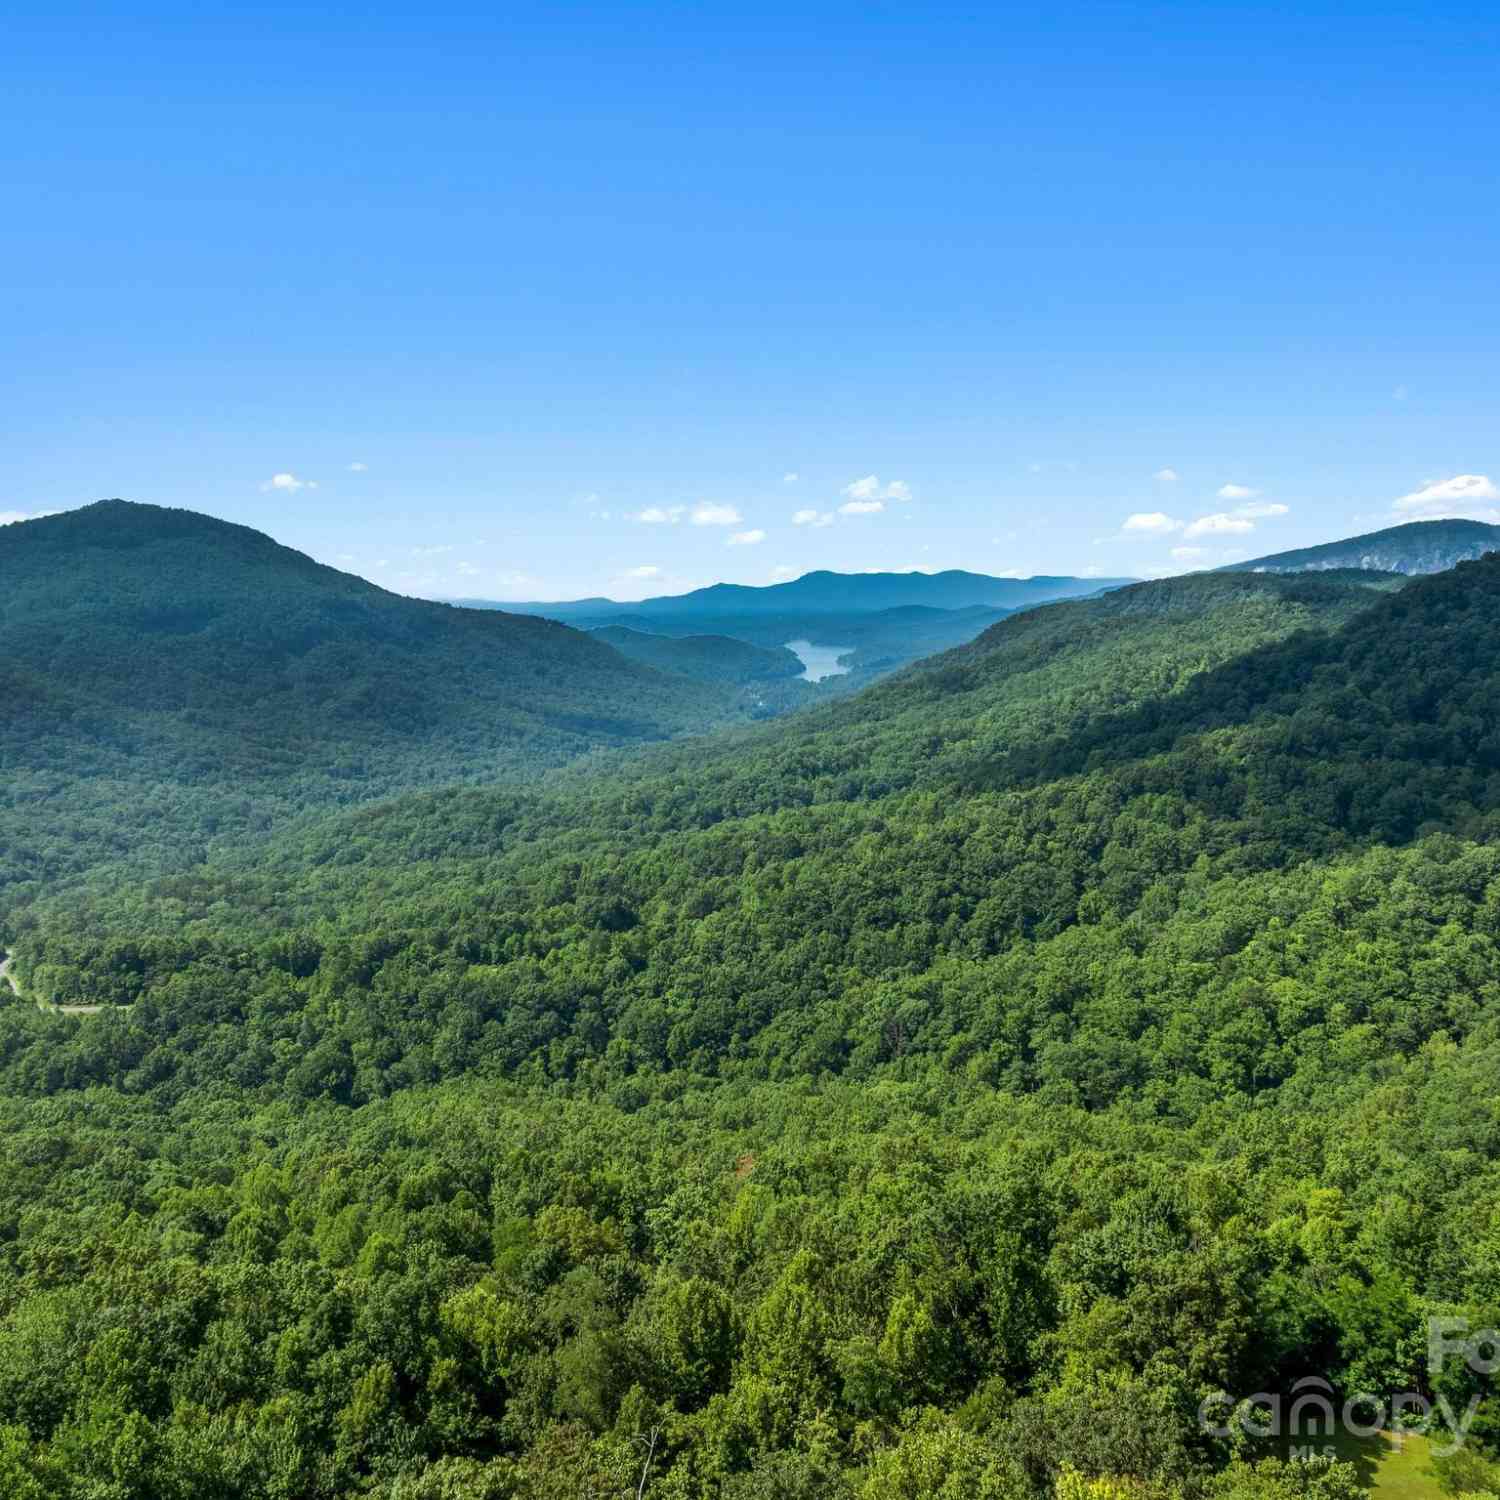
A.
x: 1309, y: 1410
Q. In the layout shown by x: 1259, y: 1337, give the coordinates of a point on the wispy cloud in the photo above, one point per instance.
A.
x: 1167, y: 476
x: 746, y: 538
x: 358, y: 468
x: 782, y: 573
x: 861, y: 507
x: 1464, y: 497
x: 705, y: 513
x: 1236, y: 492
x: 870, y: 488
x: 790, y: 477
x: 812, y: 518
x: 1221, y: 524
x: 646, y: 570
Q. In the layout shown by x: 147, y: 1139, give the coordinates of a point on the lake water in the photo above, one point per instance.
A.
x: 819, y: 662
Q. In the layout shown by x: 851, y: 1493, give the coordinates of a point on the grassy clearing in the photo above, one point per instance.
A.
x: 1392, y: 1465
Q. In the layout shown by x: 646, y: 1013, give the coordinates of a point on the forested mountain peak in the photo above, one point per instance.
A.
x: 149, y: 654
x: 126, y: 535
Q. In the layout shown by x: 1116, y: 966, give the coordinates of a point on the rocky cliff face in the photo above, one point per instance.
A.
x: 1420, y: 547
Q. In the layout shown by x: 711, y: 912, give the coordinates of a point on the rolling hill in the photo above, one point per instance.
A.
x: 709, y: 658
x: 1037, y: 681
x: 875, y: 642
x: 159, y: 667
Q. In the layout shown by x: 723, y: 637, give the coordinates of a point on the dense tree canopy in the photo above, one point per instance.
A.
x: 939, y: 1093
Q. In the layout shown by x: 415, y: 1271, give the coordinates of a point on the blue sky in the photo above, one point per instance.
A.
x: 528, y: 301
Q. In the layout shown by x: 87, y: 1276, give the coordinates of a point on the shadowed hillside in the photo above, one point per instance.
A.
x: 165, y: 676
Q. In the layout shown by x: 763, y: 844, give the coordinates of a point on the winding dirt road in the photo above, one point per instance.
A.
x: 67, y: 1010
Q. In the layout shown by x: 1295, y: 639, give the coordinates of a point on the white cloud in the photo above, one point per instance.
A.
x: 870, y: 488
x: 1262, y: 509
x: 10, y: 517
x: 289, y: 483
x: 1463, y: 496
x: 707, y: 514
x: 746, y: 538
x: 358, y: 468
x: 790, y: 477
x: 1221, y: 524
x: 812, y: 518
x: 435, y: 551
x: 781, y: 573
x: 861, y: 507
x: 656, y: 515
x: 646, y: 570
x: 1167, y: 476
x: 1236, y: 492
x: 1155, y: 522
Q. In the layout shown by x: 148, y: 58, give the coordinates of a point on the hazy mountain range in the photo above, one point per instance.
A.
x: 824, y: 592
x: 879, y: 620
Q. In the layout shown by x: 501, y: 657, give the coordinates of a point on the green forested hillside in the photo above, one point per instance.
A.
x: 940, y: 1093
x: 166, y: 679
x: 711, y: 658
x: 1033, y: 678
